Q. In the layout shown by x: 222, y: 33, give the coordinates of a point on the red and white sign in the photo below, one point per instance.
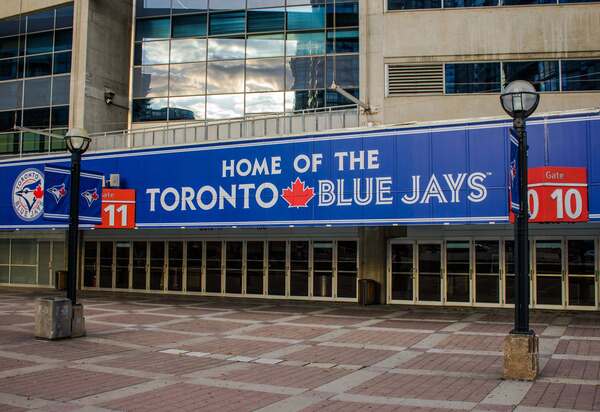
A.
x: 557, y: 194
x: 118, y: 209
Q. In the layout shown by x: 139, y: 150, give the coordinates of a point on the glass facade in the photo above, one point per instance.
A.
x: 438, y: 4
x: 30, y: 262
x: 35, y: 66
x: 211, y: 60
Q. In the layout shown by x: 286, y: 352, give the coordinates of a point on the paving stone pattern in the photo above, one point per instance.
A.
x: 181, y: 353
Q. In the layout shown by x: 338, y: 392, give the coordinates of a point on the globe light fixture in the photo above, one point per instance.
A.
x: 519, y: 99
x: 77, y: 140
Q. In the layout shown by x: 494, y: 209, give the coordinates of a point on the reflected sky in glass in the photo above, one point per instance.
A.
x: 196, y: 105
x: 150, y: 81
x: 155, y: 52
x: 265, y: 45
x: 226, y: 77
x: 226, y: 48
x: 188, y: 50
x: 265, y: 75
x: 305, y: 44
x: 224, y: 106
x: 257, y: 103
x: 187, y: 79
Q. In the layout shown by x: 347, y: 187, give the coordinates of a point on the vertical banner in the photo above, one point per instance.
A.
x: 57, y: 196
x: 514, y: 183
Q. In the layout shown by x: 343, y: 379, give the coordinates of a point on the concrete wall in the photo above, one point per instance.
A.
x: 14, y: 7
x: 471, y: 34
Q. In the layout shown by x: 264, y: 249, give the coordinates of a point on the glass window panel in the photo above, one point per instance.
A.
x: 304, y: 100
x: 305, y: 73
x: 342, y: 41
x: 265, y: 103
x: 227, y: 4
x: 457, y: 257
x: 188, y: 50
x: 11, y: 26
x: 145, y: 110
x: 306, y: 17
x: 34, y: 142
x: 137, y: 54
x: 189, y: 25
x: 227, y: 23
x: 470, y: 3
x: 580, y: 75
x: 226, y: 48
x: 300, y: 2
x: 8, y: 121
x: 57, y: 143
x: 305, y: 44
x: 266, y: 45
x: 266, y: 20
x: 11, y: 69
x: 189, y: 6
x: 38, y: 65
x: 60, y: 90
x: 548, y: 257
x: 23, y: 275
x: 152, y: 7
x: 487, y: 256
x: 472, y: 78
x: 150, y: 81
x: 265, y: 75
x: 37, y: 92
x: 10, y: 95
x: 63, y: 40
x: 152, y: 29
x: 225, y: 77
x: 9, y: 47
x: 9, y: 143
x: 582, y: 254
x: 224, y: 106
x: 60, y: 116
x: 24, y: 252
x: 4, y: 251
x: 40, y: 43
x: 62, y: 63
x: 155, y: 52
x: 519, y: 2
x: 265, y: 3
x: 43, y: 20
x: 414, y: 4
x: 577, y: 1
x: 543, y: 74
x: 343, y: 70
x: 187, y: 79
x: 333, y: 98
x: 346, y: 14
x: 187, y: 108
x: 64, y: 16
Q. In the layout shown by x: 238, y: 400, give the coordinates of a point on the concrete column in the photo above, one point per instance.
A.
x: 79, y: 63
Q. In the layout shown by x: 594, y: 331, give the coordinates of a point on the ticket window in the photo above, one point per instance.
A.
x: 581, y: 272
x: 276, y: 267
x: 487, y: 271
x: 549, y: 272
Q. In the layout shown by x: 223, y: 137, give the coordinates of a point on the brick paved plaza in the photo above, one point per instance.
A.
x: 152, y: 353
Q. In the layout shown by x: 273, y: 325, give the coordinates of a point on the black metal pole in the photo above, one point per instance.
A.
x: 73, y: 227
x: 522, y: 237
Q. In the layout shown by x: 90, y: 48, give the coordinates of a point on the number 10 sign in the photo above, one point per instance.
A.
x: 118, y: 209
x: 558, y: 194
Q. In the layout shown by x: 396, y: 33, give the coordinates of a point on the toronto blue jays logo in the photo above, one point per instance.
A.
x: 513, y: 170
x: 90, y: 195
x: 28, y: 194
x: 58, y: 192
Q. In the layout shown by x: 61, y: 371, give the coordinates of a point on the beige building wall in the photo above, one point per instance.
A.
x: 471, y: 34
x: 10, y: 8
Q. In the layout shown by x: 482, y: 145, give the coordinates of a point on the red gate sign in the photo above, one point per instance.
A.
x: 557, y: 194
x: 118, y: 209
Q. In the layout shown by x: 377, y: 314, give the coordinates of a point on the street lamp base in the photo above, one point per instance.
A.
x: 78, y: 321
x: 521, y: 356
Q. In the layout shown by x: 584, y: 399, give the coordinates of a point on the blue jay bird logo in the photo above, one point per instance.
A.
x: 58, y: 192
x: 90, y: 195
x: 28, y: 194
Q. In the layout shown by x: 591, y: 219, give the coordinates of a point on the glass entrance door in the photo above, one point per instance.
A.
x: 106, y: 264
x: 90, y: 273
x: 255, y: 267
x: 487, y: 271
x: 509, y: 272
x: 549, y: 272
x: 157, y: 265
x: 175, y: 266
x: 122, y: 265
x: 347, y: 268
x: 276, y: 267
x: 322, y: 269
x: 213, y: 267
x: 233, y: 267
x: 402, y: 271
x: 194, y: 266
x: 458, y: 271
x: 581, y: 272
x: 299, y: 268
x: 139, y: 265
x: 430, y: 272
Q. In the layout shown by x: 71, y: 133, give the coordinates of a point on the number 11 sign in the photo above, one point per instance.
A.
x: 118, y: 209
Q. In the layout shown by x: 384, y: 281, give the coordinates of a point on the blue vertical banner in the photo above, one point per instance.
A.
x: 514, y: 182
x: 57, y: 196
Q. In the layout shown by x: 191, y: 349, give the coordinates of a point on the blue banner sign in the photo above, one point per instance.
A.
x: 514, y: 181
x: 57, y: 196
x: 446, y: 174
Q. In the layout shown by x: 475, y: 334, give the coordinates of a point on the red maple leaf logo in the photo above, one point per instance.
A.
x: 298, y: 195
x: 95, y: 196
x: 38, y: 192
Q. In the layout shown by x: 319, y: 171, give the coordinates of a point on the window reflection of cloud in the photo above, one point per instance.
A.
x: 194, y: 104
x: 188, y: 50
x: 305, y: 73
x: 150, y: 81
x: 224, y: 106
x: 226, y: 49
x: 265, y: 48
x: 265, y: 75
x: 155, y: 52
x: 226, y: 77
x: 187, y: 79
x: 264, y: 103
x: 190, y: 5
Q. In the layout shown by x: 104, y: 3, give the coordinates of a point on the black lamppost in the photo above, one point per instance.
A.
x: 520, y: 99
x: 78, y: 142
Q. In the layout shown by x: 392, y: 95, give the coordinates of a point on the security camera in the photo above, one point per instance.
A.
x: 109, y: 96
